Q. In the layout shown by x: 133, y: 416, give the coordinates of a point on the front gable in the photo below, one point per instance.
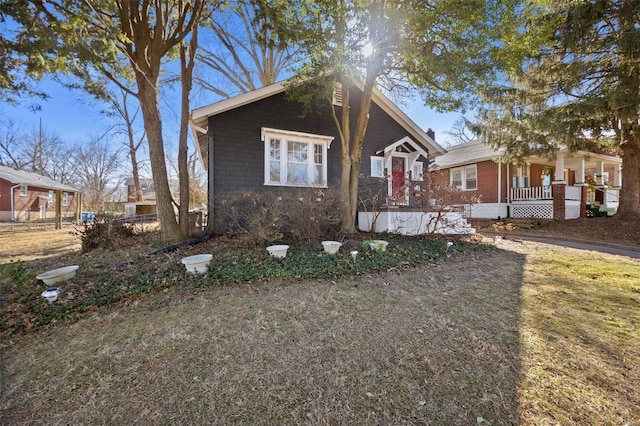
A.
x: 408, y: 148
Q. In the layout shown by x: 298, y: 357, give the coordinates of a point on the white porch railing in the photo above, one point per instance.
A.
x: 531, y: 194
x: 538, y: 202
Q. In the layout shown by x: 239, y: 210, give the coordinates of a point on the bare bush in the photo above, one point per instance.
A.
x: 268, y: 217
x: 433, y: 200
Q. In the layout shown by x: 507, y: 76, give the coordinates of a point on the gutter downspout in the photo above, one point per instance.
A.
x: 13, y: 209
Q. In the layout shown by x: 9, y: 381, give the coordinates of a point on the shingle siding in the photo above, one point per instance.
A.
x: 239, y: 151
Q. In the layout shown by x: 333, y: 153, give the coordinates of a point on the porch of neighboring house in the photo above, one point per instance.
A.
x: 571, y: 187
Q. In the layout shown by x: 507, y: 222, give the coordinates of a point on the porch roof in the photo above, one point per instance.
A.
x: 476, y: 151
x: 571, y: 159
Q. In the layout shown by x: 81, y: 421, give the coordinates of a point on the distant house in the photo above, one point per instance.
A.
x: 262, y: 142
x: 147, y: 188
x: 26, y: 197
x: 572, y: 185
x: 147, y: 205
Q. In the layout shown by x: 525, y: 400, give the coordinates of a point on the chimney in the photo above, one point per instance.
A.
x: 431, y: 134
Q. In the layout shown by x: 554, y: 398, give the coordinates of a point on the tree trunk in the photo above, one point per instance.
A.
x: 344, y: 127
x: 629, y: 81
x: 629, y: 208
x: 133, y: 148
x: 153, y: 126
x: 187, y: 57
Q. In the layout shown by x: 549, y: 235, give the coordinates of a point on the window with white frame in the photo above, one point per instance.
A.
x: 416, y: 173
x: 65, y: 199
x: 464, y: 178
x: 377, y: 166
x: 294, y: 158
x: 24, y: 190
x: 51, y: 195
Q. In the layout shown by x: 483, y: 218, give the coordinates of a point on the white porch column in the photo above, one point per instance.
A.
x: 617, y: 176
x: 559, y: 174
x: 600, y: 173
x: 580, y: 172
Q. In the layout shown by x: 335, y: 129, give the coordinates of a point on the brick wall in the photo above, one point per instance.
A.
x: 487, y: 175
x: 27, y: 208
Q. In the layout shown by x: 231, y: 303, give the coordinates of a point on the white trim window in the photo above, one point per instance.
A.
x: 65, y: 198
x: 464, y: 178
x: 24, y: 190
x: 377, y: 166
x: 417, y: 171
x: 294, y: 158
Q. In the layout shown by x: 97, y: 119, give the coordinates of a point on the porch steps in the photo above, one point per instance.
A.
x: 455, y: 224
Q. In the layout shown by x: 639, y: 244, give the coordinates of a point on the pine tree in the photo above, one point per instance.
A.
x: 578, y: 87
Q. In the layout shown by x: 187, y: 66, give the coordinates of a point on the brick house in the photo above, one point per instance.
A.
x: 567, y: 187
x: 262, y: 142
x: 26, y: 197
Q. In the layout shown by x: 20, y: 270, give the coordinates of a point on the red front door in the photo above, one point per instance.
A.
x: 398, y: 172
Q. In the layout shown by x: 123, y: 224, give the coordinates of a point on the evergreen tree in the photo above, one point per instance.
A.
x: 578, y: 87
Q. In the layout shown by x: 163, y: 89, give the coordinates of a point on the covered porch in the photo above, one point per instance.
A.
x: 573, y: 185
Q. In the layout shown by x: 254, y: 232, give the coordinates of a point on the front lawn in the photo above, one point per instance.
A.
x: 524, y: 333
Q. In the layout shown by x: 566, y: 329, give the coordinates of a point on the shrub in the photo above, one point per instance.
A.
x: 102, y: 233
x: 269, y: 217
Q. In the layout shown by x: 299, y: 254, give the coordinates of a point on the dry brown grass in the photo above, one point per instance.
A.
x: 607, y: 230
x: 528, y: 334
x: 28, y: 242
x: 434, y: 345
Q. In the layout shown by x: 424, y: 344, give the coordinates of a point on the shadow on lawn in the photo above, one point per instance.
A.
x: 427, y: 345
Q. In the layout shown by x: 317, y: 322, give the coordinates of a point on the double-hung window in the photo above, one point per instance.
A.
x: 464, y: 178
x: 65, y: 198
x: 294, y: 158
x: 24, y: 190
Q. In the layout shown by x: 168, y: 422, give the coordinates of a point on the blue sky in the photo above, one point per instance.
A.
x: 76, y: 117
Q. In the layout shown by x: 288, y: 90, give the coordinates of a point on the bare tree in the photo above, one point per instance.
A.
x: 187, y: 63
x: 241, y: 52
x: 462, y: 132
x: 38, y: 151
x: 97, y: 168
x: 119, y: 102
x: 11, y: 145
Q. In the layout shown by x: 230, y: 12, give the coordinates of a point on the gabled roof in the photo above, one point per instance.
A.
x: 466, y: 153
x: 199, y: 116
x: 20, y: 177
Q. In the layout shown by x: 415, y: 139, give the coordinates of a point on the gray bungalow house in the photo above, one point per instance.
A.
x: 261, y: 141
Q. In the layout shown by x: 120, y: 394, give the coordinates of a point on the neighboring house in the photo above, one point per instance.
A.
x: 148, y: 203
x: 28, y: 196
x: 568, y: 187
x: 147, y: 187
x: 261, y: 141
